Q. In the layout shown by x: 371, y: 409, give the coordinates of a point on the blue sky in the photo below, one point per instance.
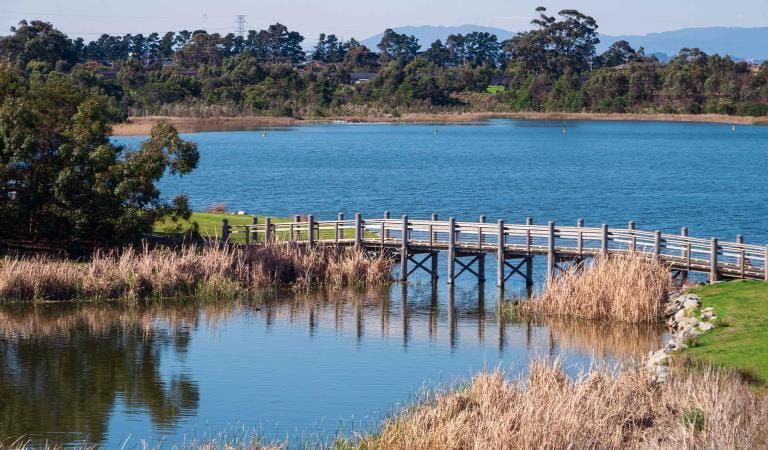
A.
x: 363, y: 18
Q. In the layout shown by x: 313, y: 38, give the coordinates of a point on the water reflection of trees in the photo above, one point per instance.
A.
x: 64, y: 367
x: 62, y: 370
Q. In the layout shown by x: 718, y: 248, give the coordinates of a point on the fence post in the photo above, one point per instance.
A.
x: 247, y: 232
x: 657, y: 244
x: 358, y: 230
x: 224, y: 230
x: 311, y: 230
x: 713, y: 275
x: 451, y: 249
x: 741, y: 260
x: 297, y: 237
x: 268, y: 230
x: 551, y: 252
x: 404, y: 251
x: 604, y: 239
x: 632, y: 237
x: 500, y: 256
x: 255, y: 223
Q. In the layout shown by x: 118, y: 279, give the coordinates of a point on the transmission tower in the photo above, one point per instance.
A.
x: 240, y: 25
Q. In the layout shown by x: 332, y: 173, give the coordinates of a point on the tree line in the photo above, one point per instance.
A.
x: 552, y: 67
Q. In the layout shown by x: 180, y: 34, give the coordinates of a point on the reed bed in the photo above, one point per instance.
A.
x: 706, y: 409
x: 622, y: 288
x: 209, y: 270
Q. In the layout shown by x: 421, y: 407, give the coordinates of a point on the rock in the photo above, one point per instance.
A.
x: 706, y: 326
x: 679, y: 316
x: 691, y: 302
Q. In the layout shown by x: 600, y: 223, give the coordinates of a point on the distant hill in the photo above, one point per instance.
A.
x: 742, y: 43
x: 427, y: 34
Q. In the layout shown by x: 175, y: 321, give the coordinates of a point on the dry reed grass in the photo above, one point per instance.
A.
x: 210, y: 270
x: 629, y: 288
x: 706, y: 409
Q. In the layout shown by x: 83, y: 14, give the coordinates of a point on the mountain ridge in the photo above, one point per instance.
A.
x: 738, y: 42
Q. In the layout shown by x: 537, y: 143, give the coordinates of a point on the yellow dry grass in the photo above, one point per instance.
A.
x: 598, y: 410
x: 619, y: 288
x: 211, y: 270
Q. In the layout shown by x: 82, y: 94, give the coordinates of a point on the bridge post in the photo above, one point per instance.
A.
x: 500, y: 256
x: 433, y: 236
x: 686, y: 253
x: 358, y: 230
x: 385, y: 233
x: 551, y: 252
x: 632, y: 238
x: 741, y: 260
x: 657, y: 244
x: 580, y: 238
x: 337, y: 228
x: 481, y: 256
x: 311, y: 231
x: 291, y: 237
x: 247, y: 232
x: 433, y: 260
x: 224, y: 230
x: 451, y: 249
x: 713, y: 274
x: 254, y: 222
x: 404, y: 251
x: 528, y: 240
x: 604, y: 239
x: 268, y: 230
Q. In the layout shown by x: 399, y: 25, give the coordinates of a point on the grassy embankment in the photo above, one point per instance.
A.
x: 740, y: 339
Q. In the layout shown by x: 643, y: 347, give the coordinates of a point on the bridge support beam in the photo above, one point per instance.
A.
x: 713, y: 273
x: 404, y: 257
x: 551, y: 256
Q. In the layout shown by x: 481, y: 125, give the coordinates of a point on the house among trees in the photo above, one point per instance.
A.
x: 361, y: 77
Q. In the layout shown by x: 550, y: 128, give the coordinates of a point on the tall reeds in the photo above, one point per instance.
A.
x: 627, y: 288
x: 210, y: 270
x: 598, y: 410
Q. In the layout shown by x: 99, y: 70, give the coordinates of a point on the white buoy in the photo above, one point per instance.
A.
x: 565, y: 130
x: 733, y: 127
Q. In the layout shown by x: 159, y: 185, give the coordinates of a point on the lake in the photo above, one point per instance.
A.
x: 304, y: 366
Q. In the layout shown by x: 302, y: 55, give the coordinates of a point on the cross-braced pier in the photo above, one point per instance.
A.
x: 418, y: 242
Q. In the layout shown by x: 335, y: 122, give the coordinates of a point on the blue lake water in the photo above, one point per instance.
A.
x: 662, y: 175
x: 294, y: 366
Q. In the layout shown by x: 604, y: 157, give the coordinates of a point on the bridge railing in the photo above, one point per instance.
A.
x: 733, y: 259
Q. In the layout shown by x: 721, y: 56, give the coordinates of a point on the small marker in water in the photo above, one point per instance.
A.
x: 733, y: 127
x: 437, y: 132
x: 264, y: 133
x: 565, y: 130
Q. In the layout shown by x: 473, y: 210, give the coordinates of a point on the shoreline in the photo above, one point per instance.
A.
x: 140, y: 126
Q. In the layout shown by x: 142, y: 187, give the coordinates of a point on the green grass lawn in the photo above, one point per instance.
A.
x: 740, y: 340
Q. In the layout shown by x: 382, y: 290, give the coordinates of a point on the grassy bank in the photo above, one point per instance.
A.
x: 208, y: 225
x: 740, y: 339
x: 140, y: 126
x: 192, y: 271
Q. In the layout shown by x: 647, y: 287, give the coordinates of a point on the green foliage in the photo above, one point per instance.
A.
x: 62, y: 179
x: 693, y: 418
x: 553, y: 67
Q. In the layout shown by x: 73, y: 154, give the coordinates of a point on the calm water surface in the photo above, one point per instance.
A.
x: 298, y: 365
x: 662, y: 175
x: 291, y: 366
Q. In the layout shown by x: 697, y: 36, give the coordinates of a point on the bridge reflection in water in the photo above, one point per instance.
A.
x: 107, y: 364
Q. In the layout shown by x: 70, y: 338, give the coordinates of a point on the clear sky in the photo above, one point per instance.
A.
x: 363, y: 18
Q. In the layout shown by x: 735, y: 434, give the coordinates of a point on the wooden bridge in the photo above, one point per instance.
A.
x: 418, y: 242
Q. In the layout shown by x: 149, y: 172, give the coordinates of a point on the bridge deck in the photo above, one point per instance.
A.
x: 406, y: 237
